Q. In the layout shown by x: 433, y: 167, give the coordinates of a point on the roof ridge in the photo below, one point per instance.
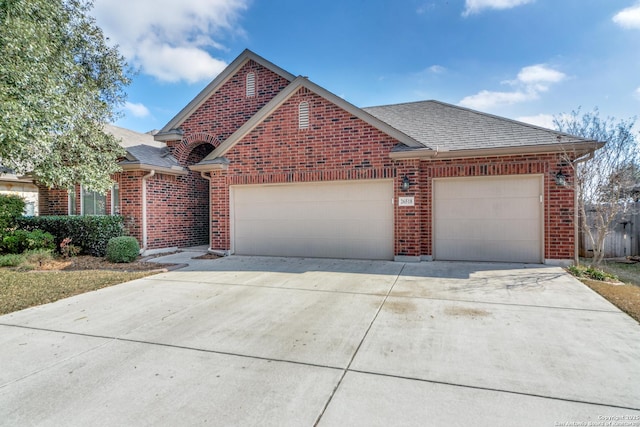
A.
x: 228, y: 72
x: 287, y: 93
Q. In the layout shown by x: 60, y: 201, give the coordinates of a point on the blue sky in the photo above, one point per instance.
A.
x: 523, y: 59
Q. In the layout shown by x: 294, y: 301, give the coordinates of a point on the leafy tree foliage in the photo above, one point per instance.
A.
x: 59, y: 84
x: 11, y: 208
x: 607, y: 180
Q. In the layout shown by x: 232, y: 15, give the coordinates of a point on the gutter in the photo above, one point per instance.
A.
x: 136, y: 166
x: 144, y: 209
x: 428, y: 153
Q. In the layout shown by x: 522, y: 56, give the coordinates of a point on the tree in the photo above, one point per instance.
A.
x: 606, y: 181
x: 59, y: 84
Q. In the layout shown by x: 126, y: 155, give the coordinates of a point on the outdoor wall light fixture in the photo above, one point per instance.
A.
x: 405, y: 183
x: 560, y: 178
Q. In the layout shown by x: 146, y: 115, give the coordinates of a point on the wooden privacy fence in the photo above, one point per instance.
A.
x: 623, y: 240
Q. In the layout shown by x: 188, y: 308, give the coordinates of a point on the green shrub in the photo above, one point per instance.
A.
x: 11, y: 260
x: 122, y: 249
x: 590, y: 273
x: 67, y: 249
x: 38, y: 256
x: 11, y: 208
x: 575, y: 270
x: 596, y: 274
x: 91, y: 233
x: 18, y: 241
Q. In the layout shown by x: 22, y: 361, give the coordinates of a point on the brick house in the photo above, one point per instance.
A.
x: 265, y: 163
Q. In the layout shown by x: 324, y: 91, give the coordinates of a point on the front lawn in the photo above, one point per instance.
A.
x: 19, y: 290
x: 625, y: 295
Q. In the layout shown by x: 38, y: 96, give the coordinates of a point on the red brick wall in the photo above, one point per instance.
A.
x: 409, y: 219
x: 337, y: 146
x: 131, y: 202
x: 178, y: 207
x: 558, y: 201
x: 52, y: 201
x: 227, y: 109
x: 56, y: 201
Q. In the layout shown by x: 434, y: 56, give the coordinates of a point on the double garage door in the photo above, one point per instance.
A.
x: 488, y: 219
x: 474, y: 219
x: 327, y: 220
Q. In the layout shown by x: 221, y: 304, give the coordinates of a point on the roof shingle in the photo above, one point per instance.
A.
x: 441, y: 126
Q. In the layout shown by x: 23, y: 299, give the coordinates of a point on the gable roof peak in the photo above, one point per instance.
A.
x: 231, y: 69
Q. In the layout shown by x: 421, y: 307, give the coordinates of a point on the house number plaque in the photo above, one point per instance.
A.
x: 406, y: 201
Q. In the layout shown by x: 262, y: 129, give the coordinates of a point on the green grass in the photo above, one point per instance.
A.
x: 11, y: 260
x: 627, y: 273
x: 20, y: 290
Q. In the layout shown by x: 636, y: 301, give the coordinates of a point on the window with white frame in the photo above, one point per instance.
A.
x: 92, y: 203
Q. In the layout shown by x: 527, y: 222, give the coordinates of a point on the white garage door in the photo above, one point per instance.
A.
x: 326, y: 220
x: 488, y: 219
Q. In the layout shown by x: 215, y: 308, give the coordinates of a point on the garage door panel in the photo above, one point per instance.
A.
x: 500, y: 188
x: 488, y: 219
x: 489, y: 250
x: 520, y: 207
x: 339, y: 220
x: 523, y: 229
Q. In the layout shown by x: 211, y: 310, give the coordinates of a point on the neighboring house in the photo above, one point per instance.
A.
x: 265, y: 163
x: 22, y: 186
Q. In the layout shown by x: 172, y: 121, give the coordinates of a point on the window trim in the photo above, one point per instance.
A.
x: 115, y: 186
x: 71, y: 202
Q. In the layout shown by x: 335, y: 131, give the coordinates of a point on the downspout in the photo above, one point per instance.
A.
x: 208, y: 178
x: 144, y: 209
x: 576, y: 219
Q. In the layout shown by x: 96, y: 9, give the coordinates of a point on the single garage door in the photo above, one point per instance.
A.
x: 327, y: 220
x: 488, y: 219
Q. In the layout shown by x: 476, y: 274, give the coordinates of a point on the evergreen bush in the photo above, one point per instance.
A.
x: 91, y: 233
x: 122, y: 249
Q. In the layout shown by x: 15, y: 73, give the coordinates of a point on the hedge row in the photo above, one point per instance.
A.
x: 91, y: 233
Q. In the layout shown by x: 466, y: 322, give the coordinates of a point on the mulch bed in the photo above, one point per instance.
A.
x: 625, y: 297
x: 86, y: 262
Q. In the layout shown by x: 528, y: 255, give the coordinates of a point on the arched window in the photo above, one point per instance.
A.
x: 303, y: 115
x: 251, y: 85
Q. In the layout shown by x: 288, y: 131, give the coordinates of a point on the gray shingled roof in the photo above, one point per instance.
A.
x: 130, y: 138
x: 142, y: 148
x: 152, y: 156
x: 442, y: 126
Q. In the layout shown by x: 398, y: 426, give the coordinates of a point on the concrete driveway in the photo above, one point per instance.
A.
x: 281, y: 341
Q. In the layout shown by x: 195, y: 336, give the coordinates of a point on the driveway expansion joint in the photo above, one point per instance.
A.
x: 364, y: 336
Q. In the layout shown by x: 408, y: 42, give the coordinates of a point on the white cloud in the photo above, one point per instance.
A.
x: 485, y: 99
x: 476, y: 6
x: 529, y: 83
x: 170, y: 39
x: 437, y: 69
x: 542, y: 120
x: 137, y: 110
x: 539, y: 74
x: 637, y: 93
x: 629, y: 17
